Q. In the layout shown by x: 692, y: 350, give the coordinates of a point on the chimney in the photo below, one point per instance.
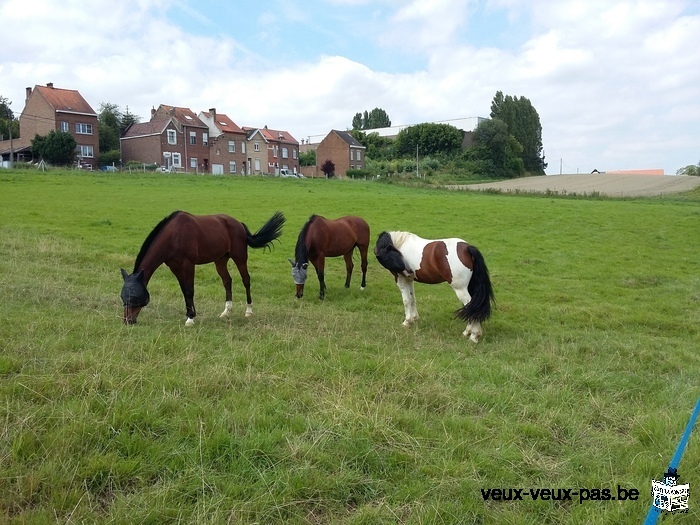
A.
x: 212, y: 113
x: 49, y: 85
x: 153, y: 112
x: 29, y: 91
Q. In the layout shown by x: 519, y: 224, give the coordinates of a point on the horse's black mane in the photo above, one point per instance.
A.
x: 151, y: 237
x: 301, y: 252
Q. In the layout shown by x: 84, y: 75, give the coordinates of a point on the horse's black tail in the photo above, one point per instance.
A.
x: 270, y: 231
x: 478, y: 309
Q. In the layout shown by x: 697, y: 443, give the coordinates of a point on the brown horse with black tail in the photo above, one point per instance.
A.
x: 181, y: 241
x: 321, y: 238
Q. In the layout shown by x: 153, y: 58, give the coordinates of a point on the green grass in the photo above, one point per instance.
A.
x: 332, y: 412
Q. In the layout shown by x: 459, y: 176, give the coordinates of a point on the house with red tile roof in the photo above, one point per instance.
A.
x: 175, y: 139
x: 50, y: 108
x: 271, y: 150
x: 227, y: 143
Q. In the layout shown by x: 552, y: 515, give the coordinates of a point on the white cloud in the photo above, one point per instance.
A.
x: 615, y: 82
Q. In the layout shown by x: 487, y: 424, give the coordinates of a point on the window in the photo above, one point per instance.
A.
x: 177, y: 160
x: 352, y: 154
x: 285, y: 153
x: 193, y: 162
x: 172, y: 136
x: 359, y: 155
x: 218, y: 152
x: 294, y: 153
x: 193, y: 138
x: 64, y: 127
x: 232, y: 146
x: 86, y: 151
x: 205, y: 139
x: 242, y: 147
x: 83, y: 129
x: 257, y: 164
x: 232, y: 166
x: 275, y: 151
x: 256, y: 146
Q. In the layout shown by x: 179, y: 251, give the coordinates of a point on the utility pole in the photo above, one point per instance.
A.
x: 561, y: 162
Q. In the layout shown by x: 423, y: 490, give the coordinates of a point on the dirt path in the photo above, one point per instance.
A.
x: 603, y: 184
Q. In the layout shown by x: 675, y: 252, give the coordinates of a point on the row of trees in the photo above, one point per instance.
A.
x: 506, y: 146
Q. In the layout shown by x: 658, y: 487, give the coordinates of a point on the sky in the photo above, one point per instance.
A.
x: 616, y: 83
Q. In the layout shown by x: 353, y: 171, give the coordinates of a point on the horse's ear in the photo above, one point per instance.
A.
x: 292, y: 262
x: 124, y: 274
x: 139, y: 276
x: 305, y: 266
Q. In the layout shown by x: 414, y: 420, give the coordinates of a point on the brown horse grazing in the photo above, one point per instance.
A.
x: 181, y: 241
x: 321, y: 238
x: 411, y: 258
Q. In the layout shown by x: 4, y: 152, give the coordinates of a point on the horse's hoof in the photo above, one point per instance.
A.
x: 249, y: 314
x: 362, y: 287
x: 406, y: 324
x: 189, y: 322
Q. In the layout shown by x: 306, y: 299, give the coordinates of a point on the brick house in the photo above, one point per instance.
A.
x: 344, y: 150
x: 48, y: 108
x: 227, y: 143
x: 175, y: 138
x: 271, y: 150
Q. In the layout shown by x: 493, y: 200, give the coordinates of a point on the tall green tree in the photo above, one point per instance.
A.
x: 57, y: 148
x: 113, y: 122
x: 523, y: 122
x: 429, y: 139
x: 497, y: 150
x: 7, y: 120
x: 108, y: 122
x: 377, y: 118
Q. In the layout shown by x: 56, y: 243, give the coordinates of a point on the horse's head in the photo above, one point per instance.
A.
x: 134, y: 295
x: 389, y: 256
x: 299, y: 274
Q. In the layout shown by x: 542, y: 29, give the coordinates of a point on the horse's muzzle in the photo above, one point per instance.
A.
x: 300, y: 291
x: 130, y: 314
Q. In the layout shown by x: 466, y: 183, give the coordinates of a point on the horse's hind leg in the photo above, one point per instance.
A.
x: 473, y: 330
x: 222, y: 270
x: 363, y: 255
x: 245, y: 277
x: 348, y: 268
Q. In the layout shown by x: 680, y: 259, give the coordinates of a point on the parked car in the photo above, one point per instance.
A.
x: 284, y: 172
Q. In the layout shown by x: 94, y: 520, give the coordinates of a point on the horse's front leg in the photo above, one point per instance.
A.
x: 348, y: 268
x: 320, y: 266
x: 222, y: 270
x: 409, y: 299
x: 185, y: 276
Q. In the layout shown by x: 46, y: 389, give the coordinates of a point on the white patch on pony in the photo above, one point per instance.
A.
x: 227, y: 309
x: 189, y: 322
x: 249, y: 310
x: 362, y: 287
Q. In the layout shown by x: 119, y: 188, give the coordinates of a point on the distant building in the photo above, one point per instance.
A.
x: 48, y: 108
x: 343, y: 150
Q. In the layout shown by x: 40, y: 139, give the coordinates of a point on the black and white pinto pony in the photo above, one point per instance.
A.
x: 411, y: 258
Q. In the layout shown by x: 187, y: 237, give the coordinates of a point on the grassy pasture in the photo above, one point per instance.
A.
x: 331, y: 412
